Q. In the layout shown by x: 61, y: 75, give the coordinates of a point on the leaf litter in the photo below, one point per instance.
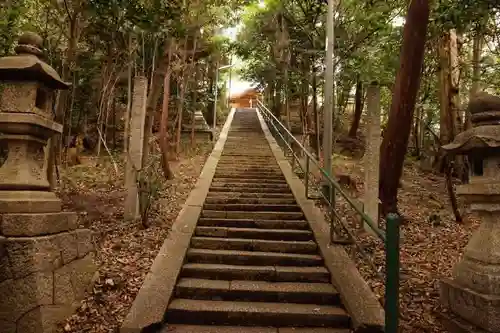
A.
x: 431, y: 243
x: 124, y: 250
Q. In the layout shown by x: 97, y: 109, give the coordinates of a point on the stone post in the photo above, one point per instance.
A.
x: 372, y: 155
x: 46, y: 261
x: 134, y: 155
x: 473, y: 292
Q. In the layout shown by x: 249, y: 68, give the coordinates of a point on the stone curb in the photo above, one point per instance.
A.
x: 148, y: 309
x: 365, y: 310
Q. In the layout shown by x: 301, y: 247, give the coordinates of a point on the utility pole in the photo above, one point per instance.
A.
x: 329, y: 103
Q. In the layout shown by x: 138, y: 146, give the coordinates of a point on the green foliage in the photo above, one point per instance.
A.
x: 367, y: 45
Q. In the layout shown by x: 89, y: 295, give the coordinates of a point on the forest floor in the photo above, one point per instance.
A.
x: 125, y: 250
x: 431, y: 242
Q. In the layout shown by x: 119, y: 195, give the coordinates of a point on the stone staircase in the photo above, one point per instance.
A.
x: 253, y: 264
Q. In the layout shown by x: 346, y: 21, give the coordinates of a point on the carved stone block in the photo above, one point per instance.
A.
x: 18, y: 97
x: 23, y: 295
x: 44, y: 319
x: 19, y: 225
x: 481, y: 310
x: 33, y: 254
x: 29, y: 202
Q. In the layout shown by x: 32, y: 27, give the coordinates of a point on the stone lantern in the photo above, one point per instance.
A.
x: 27, y: 86
x: 46, y: 260
x: 473, y: 292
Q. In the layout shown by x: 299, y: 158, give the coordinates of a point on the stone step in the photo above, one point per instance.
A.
x: 260, y: 245
x: 252, y: 233
x: 236, y: 174
x: 258, y: 291
x: 246, y: 175
x: 312, y: 330
x: 255, y: 168
x: 255, y: 159
x: 255, y: 313
x: 256, y: 180
x: 250, y: 189
x: 180, y: 328
x: 253, y: 264
x: 251, y: 162
x: 252, y: 215
x: 256, y: 273
x: 252, y: 207
x: 263, y: 168
x: 226, y: 194
x: 263, y: 153
x: 231, y: 167
x: 250, y: 201
x: 234, y: 257
x: 256, y: 184
x: 251, y: 223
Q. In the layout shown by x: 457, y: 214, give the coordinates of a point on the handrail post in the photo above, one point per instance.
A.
x: 307, y: 177
x: 392, y: 274
x: 331, y: 199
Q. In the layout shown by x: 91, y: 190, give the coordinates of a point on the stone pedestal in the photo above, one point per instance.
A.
x: 473, y: 292
x: 479, y: 309
x: 46, y: 262
x: 46, y: 267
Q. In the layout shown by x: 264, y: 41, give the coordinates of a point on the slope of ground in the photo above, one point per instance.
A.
x: 432, y: 242
x: 125, y: 250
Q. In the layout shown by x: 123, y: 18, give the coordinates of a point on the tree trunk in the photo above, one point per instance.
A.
x: 407, y: 83
x: 209, y: 114
x: 278, y: 99
x: 197, y: 76
x: 416, y: 132
x: 126, y: 121
x: 152, y: 101
x: 180, y: 92
x: 164, y: 115
x: 477, y: 46
x: 55, y: 143
x: 450, y: 119
x: 358, y: 108
x: 113, y: 124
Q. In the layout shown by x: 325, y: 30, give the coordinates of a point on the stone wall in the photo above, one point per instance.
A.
x: 46, y: 267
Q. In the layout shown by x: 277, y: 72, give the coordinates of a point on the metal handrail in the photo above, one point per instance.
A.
x: 390, y: 237
x: 310, y: 158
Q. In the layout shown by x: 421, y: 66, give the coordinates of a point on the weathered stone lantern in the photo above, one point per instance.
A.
x: 473, y: 293
x: 27, y: 86
x: 46, y: 261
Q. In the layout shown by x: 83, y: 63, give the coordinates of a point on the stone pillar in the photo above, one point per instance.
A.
x: 134, y: 155
x: 473, y: 292
x: 46, y: 261
x: 372, y: 155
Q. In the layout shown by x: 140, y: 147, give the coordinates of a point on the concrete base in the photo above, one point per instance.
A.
x: 46, y: 268
x: 482, y: 311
